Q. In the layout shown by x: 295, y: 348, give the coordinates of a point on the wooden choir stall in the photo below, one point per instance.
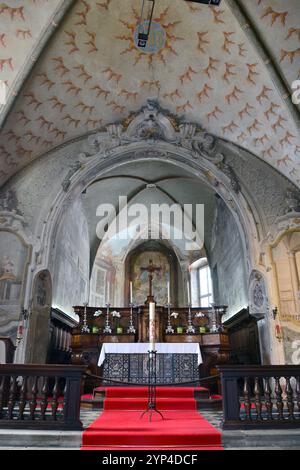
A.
x: 112, y: 342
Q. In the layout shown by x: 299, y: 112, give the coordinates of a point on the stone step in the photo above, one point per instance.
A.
x: 51, y: 439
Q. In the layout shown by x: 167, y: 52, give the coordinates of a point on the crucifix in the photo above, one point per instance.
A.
x: 151, y: 269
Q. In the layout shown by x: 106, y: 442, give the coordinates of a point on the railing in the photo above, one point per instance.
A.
x: 260, y: 397
x: 40, y: 396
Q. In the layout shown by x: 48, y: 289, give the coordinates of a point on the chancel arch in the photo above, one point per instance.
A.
x: 198, y: 168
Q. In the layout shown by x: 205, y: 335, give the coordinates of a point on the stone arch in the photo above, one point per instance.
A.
x: 97, y: 166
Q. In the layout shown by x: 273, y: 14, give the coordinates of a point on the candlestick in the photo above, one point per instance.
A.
x: 152, y: 326
x: 107, y: 328
x: 85, y: 327
x: 169, y: 297
x: 169, y: 329
x: 131, y: 329
x: 190, y: 329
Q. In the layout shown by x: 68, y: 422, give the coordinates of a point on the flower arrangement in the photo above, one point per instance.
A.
x: 117, y: 315
x: 179, y: 329
x: 202, y: 317
x: 98, y: 313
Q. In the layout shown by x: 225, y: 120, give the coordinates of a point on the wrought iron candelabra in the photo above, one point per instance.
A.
x: 190, y: 329
x: 85, y: 328
x: 131, y: 329
x: 107, y: 329
x: 169, y: 329
x: 151, y: 406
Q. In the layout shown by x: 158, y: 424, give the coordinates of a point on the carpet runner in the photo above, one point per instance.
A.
x: 120, y: 426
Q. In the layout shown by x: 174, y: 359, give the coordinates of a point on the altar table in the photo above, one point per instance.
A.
x: 128, y: 362
x: 143, y: 348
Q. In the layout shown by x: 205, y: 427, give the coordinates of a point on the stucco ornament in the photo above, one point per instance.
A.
x: 292, y: 200
x: 67, y: 180
x: 291, y: 218
x: 153, y: 125
x: 230, y: 173
x: 257, y: 295
x: 9, y: 202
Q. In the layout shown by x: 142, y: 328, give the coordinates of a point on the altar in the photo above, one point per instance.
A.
x: 128, y: 362
x: 122, y: 354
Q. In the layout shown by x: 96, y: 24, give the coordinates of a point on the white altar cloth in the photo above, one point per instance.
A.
x: 143, y: 348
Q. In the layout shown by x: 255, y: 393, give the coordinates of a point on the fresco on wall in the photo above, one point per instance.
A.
x: 140, y: 277
x: 12, y: 268
x: 71, y: 261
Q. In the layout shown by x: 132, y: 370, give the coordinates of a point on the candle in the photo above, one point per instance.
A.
x: 169, y: 297
x: 108, y: 289
x: 131, y: 297
x: 188, y: 292
x: 152, y: 326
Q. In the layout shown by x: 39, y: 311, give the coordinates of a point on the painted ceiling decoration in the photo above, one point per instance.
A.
x: 207, y: 72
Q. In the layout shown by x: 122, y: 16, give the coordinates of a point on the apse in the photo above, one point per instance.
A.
x: 160, y: 182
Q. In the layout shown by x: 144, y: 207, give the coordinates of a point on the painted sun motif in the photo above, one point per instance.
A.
x: 161, y: 55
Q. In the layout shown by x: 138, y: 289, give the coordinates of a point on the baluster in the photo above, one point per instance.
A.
x: 247, y: 399
x: 66, y: 393
x: 279, y: 401
x: 23, y: 395
x: 268, y: 399
x: 290, y: 398
x: 55, y: 395
x: 258, y: 404
x: 12, y: 396
x: 2, y: 384
x: 33, y: 402
x: 44, y: 401
x: 298, y: 393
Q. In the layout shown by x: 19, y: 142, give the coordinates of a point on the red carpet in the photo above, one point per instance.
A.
x: 120, y: 426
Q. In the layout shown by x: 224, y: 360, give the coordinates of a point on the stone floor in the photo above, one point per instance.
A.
x: 236, y: 440
x: 232, y: 440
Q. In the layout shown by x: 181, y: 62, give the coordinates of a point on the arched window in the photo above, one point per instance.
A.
x: 201, y: 283
x: 205, y: 286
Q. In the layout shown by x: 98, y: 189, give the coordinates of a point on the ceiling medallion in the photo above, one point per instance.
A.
x: 156, y: 40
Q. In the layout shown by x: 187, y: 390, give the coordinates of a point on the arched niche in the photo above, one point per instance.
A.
x: 162, y: 257
x: 38, y: 334
x: 286, y: 262
x: 15, y: 255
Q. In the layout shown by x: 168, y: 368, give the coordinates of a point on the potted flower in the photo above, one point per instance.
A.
x: 179, y: 329
x: 95, y: 328
x: 202, y: 322
x: 117, y: 316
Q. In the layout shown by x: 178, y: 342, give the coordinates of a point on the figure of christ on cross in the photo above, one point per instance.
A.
x: 151, y: 269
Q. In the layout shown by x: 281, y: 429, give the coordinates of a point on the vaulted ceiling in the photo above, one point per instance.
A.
x: 168, y: 184
x: 229, y: 69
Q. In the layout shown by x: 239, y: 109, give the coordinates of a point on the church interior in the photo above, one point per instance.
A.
x: 118, y: 120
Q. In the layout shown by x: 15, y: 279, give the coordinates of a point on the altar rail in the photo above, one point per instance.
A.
x: 40, y: 396
x: 256, y: 397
